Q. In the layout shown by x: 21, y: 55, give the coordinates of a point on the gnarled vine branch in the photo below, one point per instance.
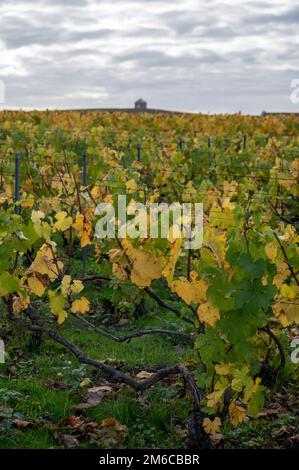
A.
x: 135, y: 334
x: 270, y: 333
x: 116, y: 375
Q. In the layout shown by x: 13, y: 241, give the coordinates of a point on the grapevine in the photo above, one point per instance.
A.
x: 235, y: 296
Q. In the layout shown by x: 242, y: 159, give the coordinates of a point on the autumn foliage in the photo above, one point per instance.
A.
x: 232, y: 295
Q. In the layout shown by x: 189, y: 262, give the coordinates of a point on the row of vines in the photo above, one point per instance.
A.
x: 235, y: 297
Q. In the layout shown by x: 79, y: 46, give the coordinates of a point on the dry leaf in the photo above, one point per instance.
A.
x: 143, y: 375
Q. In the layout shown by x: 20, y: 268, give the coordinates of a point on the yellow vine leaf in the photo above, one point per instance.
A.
x: 290, y: 234
x: 20, y: 303
x: 184, y: 289
x: 127, y: 248
x: 131, y: 186
x: 295, y: 168
x: 200, y: 288
x: 222, y: 369
x: 237, y: 413
x: 278, y: 310
x: 36, y: 286
x: 86, y: 234
x: 227, y: 204
x: 77, y: 286
x: 282, y: 273
x: 83, y: 230
x: 55, y: 204
x: 63, y: 223
x: 251, y: 389
x: 115, y: 254
x: 230, y: 188
x: 81, y: 305
x: 292, y: 313
x: 79, y: 222
x: 214, y: 397
x: 96, y: 192
x: 45, y: 264
x: 68, y: 287
x: 215, y: 242
x: 6, y: 194
x: 28, y: 200
x: 289, y: 292
x: 175, y: 250
x: 57, y: 303
x: 208, y: 313
x: 108, y: 198
x: 146, y: 268
x: 271, y: 250
x: 36, y: 216
x: 287, y: 314
x: 65, y: 285
x: 119, y: 272
x: 193, y: 291
x: 42, y: 228
x: 212, y: 427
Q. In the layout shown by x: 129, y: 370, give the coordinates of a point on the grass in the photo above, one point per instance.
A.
x: 155, y: 419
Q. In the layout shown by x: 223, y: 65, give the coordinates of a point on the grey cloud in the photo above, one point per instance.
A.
x: 181, y: 22
x: 186, y: 56
x: 59, y: 3
x: 290, y: 17
x: 148, y: 58
x: 17, y: 32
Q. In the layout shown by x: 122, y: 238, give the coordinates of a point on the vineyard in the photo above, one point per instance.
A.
x: 140, y: 342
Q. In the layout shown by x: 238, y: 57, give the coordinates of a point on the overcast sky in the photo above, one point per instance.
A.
x: 193, y: 55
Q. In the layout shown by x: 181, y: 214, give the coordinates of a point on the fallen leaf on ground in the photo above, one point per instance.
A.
x: 108, y: 422
x: 94, y: 397
x: 20, y: 423
x: 143, y: 375
x: 85, y: 382
x: 76, y: 431
x: 72, y: 421
x: 70, y: 442
x: 212, y: 427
